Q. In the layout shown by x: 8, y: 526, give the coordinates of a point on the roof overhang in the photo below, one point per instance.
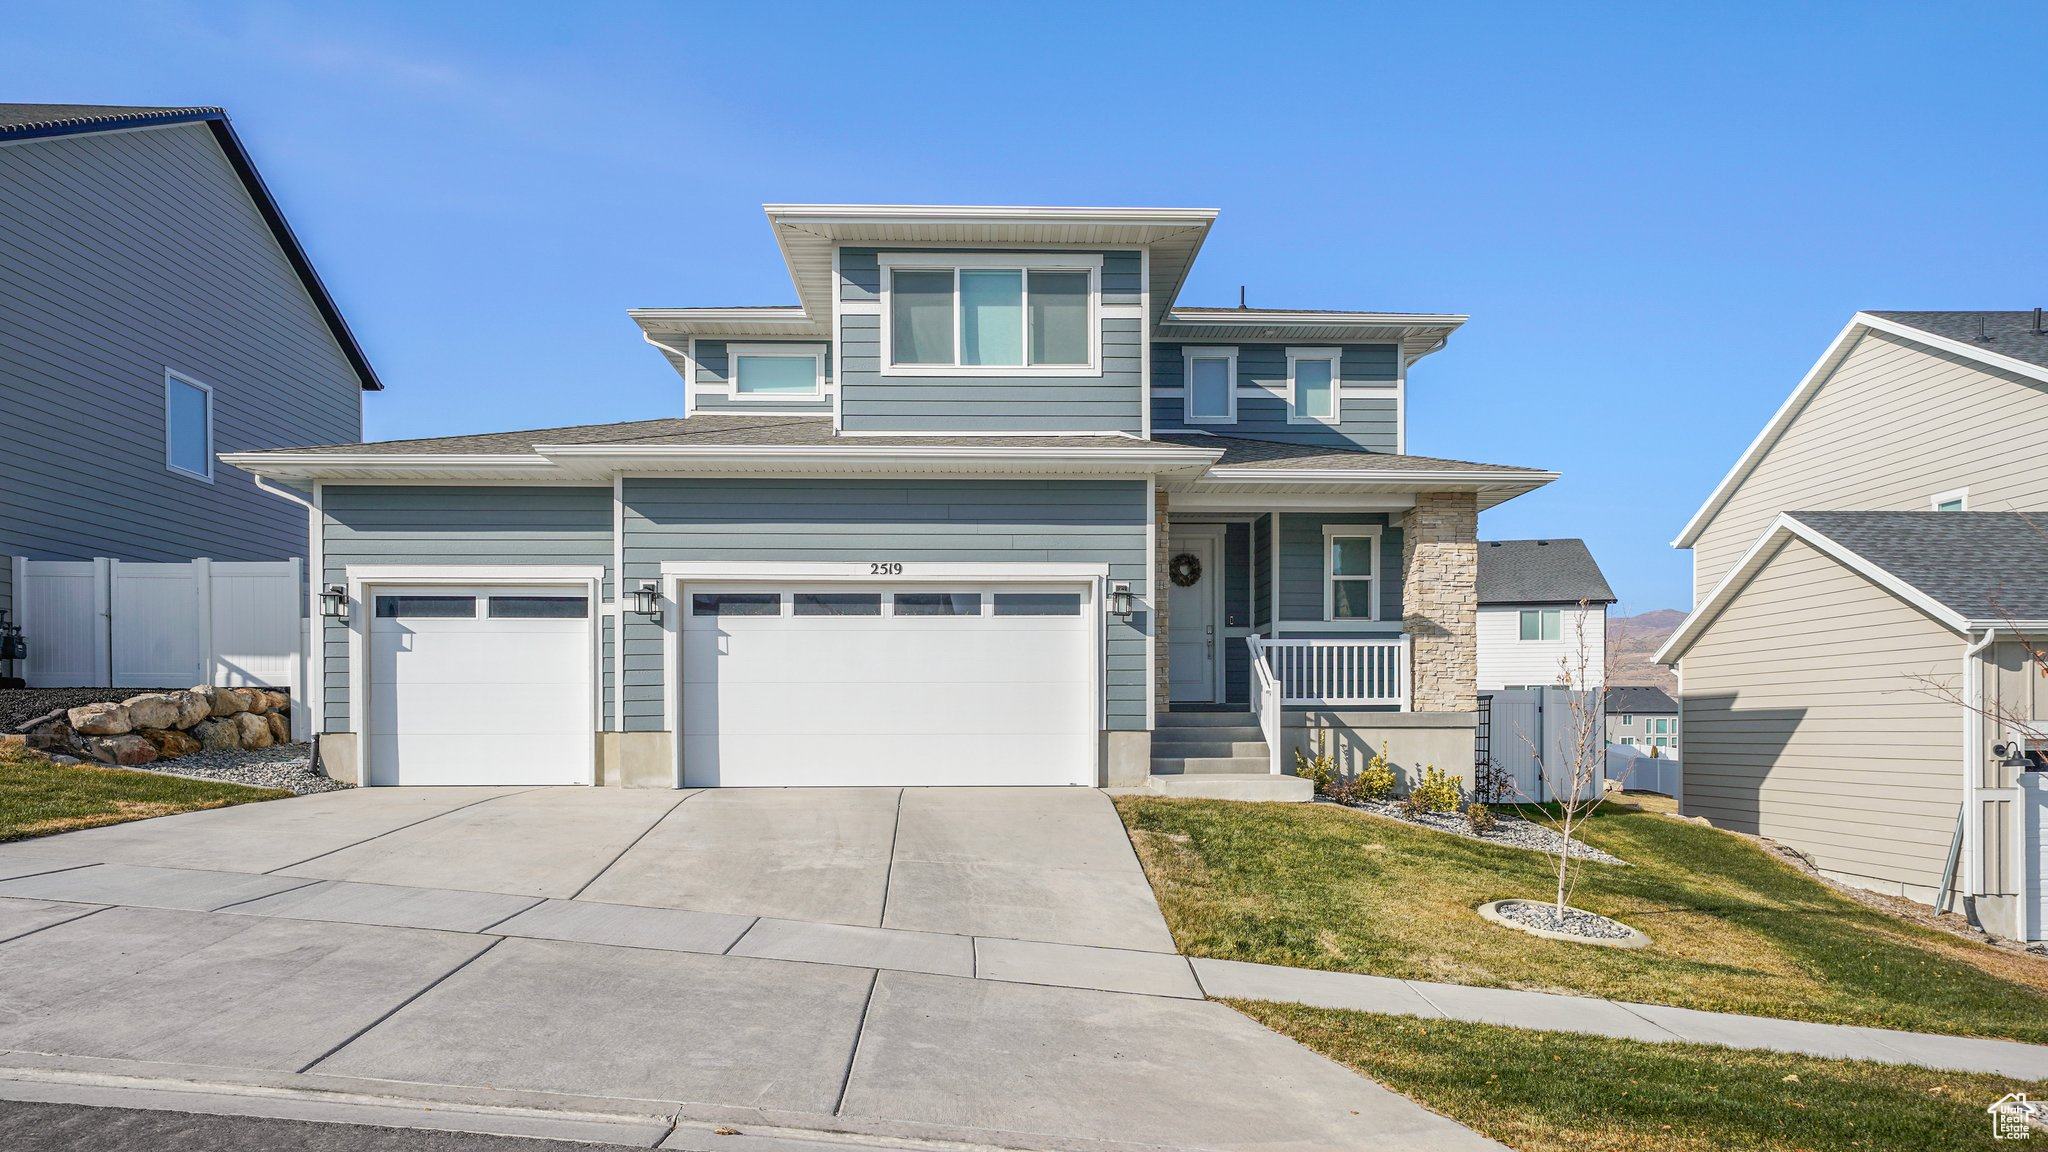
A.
x: 1418, y: 334
x: 1838, y: 351
x: 1491, y: 487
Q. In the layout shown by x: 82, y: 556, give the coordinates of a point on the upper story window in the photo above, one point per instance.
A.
x: 1351, y: 587
x: 188, y: 427
x: 777, y: 371
x: 990, y: 314
x: 1210, y: 390
x: 1312, y: 376
x: 1955, y: 501
x: 1628, y: 720
x: 1542, y: 624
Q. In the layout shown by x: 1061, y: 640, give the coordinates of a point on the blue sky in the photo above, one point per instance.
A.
x: 1657, y: 216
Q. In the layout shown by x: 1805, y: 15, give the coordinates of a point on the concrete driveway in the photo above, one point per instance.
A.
x: 977, y: 965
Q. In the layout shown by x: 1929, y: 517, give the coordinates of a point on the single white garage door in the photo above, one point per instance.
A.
x: 479, y: 686
x: 784, y: 687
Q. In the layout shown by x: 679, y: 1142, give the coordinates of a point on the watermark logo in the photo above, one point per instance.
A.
x: 2009, y: 1117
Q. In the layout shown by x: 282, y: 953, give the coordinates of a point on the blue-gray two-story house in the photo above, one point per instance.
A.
x: 984, y: 507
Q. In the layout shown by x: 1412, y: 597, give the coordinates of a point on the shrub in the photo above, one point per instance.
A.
x: 1320, y: 769
x: 1377, y: 780
x: 1438, y: 791
x: 1480, y: 817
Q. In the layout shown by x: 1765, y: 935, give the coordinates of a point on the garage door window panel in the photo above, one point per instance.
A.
x: 736, y: 604
x: 426, y: 607
x: 539, y: 608
x: 838, y: 604
x: 1038, y: 603
x: 938, y: 604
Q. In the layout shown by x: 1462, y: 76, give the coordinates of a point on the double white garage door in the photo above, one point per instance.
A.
x: 779, y: 686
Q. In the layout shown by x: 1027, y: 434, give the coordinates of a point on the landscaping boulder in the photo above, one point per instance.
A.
x: 259, y: 700
x: 255, y: 730
x: 223, y: 735
x: 52, y: 735
x: 229, y: 702
x: 126, y: 750
x: 280, y: 728
x: 280, y: 701
x: 193, y: 706
x: 169, y: 742
x: 100, y: 719
x: 154, y: 710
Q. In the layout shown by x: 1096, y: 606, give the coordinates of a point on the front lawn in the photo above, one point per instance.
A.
x: 1558, y: 1092
x: 38, y: 798
x: 1733, y: 930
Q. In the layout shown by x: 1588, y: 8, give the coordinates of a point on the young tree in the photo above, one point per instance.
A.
x: 1574, y: 769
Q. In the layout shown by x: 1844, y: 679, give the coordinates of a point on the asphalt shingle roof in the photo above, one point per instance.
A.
x: 1245, y: 452
x: 1987, y: 566
x: 1640, y: 698
x: 2006, y: 333
x: 52, y: 119
x: 706, y: 429
x: 1540, y: 571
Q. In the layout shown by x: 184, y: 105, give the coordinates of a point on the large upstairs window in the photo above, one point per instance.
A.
x: 1210, y: 391
x: 990, y: 315
x: 1312, y: 376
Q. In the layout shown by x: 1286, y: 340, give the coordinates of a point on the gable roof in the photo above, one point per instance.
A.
x: 2012, y: 349
x: 1639, y: 698
x: 1967, y: 570
x: 1540, y: 572
x: 40, y: 121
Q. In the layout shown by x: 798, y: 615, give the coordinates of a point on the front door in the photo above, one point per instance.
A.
x: 1191, y: 638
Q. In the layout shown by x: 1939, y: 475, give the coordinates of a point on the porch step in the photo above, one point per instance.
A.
x: 1227, y: 718
x: 1211, y: 765
x: 1178, y: 746
x: 1235, y: 786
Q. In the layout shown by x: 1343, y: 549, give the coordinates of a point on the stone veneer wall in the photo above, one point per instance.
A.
x: 1440, y: 572
x: 1162, y: 544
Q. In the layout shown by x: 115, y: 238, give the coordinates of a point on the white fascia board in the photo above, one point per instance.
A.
x: 316, y: 465
x: 877, y: 213
x: 789, y: 314
x: 863, y: 571
x: 633, y: 457
x: 1966, y: 348
x: 1419, y: 479
x: 1784, y: 528
x: 1376, y: 319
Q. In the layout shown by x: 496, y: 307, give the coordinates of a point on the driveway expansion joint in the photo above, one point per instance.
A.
x: 395, y: 1009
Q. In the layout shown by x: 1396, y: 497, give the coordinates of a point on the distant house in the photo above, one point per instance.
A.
x: 1868, y: 580
x: 155, y: 311
x: 1542, y: 610
x: 1643, y: 717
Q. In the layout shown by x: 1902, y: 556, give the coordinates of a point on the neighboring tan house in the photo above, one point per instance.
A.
x: 1644, y: 717
x: 1542, y: 615
x: 986, y: 506
x: 155, y: 310
x: 1853, y: 673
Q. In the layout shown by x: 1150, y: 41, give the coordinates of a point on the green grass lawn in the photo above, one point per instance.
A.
x: 1557, y: 1092
x: 1733, y: 929
x: 38, y: 798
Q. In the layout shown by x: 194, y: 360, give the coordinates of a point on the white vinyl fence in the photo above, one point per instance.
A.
x: 1531, y: 730
x: 1637, y: 772
x: 110, y: 623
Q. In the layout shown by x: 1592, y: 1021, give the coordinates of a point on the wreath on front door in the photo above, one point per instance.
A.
x: 1184, y: 570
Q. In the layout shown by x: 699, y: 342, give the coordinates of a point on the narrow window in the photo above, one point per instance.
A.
x: 1542, y: 623
x: 838, y: 604
x: 1059, y: 318
x: 1351, y: 565
x: 539, y: 608
x: 992, y: 317
x: 921, y: 320
x: 938, y: 603
x: 1627, y: 721
x: 426, y: 607
x: 1312, y: 376
x: 1956, y: 501
x: 1210, y: 385
x: 736, y: 604
x: 759, y: 370
x: 1038, y: 604
x: 188, y: 427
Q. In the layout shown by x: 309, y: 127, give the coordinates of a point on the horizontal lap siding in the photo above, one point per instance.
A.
x: 713, y: 366
x: 1007, y: 521
x: 1368, y: 408
x: 1302, y: 564
x: 873, y: 402
x: 1896, y: 423
x: 122, y: 255
x: 1803, y: 721
x: 506, y: 526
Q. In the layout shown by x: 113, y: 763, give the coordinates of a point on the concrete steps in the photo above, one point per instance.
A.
x: 1221, y: 755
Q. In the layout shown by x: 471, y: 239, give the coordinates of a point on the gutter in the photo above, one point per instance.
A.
x: 1963, y: 843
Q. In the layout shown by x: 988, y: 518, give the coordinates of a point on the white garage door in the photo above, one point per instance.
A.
x: 890, y: 686
x: 479, y: 686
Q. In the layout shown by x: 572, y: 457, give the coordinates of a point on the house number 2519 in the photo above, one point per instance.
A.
x: 885, y: 568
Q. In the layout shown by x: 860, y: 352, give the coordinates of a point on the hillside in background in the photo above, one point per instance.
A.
x: 1632, y: 640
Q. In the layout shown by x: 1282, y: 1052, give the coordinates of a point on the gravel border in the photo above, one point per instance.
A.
x: 1509, y: 830
x: 286, y: 766
x: 1576, y: 926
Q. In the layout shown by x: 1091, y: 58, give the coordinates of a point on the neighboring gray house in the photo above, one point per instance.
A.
x: 986, y: 506
x: 1542, y: 615
x: 1868, y: 581
x: 1643, y: 716
x: 154, y: 310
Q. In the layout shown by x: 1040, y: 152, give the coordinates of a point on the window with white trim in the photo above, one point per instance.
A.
x: 777, y: 371
x: 1313, y: 376
x: 1210, y: 387
x: 990, y: 314
x: 1542, y: 624
x: 1351, y: 587
x: 1628, y: 720
x: 188, y: 427
x: 1957, y: 500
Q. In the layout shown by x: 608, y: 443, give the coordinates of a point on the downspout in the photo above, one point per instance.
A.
x: 1973, y: 755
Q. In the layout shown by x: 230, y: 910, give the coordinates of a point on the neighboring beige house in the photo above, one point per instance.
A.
x: 1854, y: 674
x: 1641, y: 716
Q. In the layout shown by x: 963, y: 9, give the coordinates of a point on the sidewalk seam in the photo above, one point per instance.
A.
x: 393, y: 831
x: 859, y: 1033
x: 400, y: 1006
x: 614, y: 861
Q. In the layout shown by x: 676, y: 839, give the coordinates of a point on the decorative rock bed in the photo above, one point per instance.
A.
x: 1508, y: 831
x: 286, y: 766
x: 1540, y: 918
x: 153, y: 726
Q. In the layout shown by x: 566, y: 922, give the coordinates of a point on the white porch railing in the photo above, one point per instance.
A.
x: 1266, y: 702
x: 1336, y: 673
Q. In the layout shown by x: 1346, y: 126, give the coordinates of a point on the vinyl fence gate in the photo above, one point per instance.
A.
x: 1531, y: 728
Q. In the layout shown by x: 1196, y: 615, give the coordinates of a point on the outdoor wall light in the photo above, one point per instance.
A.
x: 334, y: 602
x: 647, y: 599
x: 1120, y: 601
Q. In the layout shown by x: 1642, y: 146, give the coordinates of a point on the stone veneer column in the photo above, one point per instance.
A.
x: 1156, y: 591
x: 1440, y: 600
